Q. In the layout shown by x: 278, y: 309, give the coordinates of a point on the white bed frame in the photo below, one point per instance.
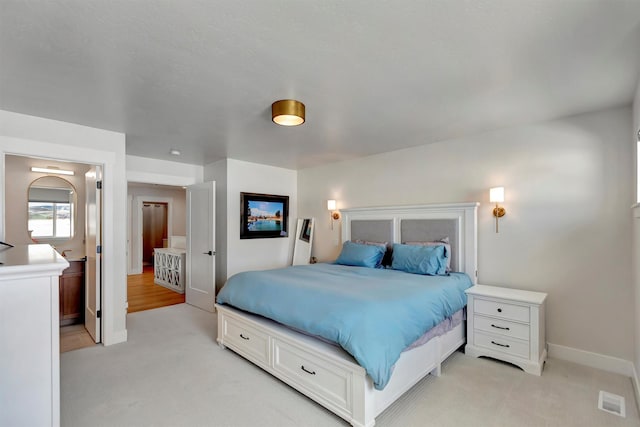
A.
x: 326, y: 373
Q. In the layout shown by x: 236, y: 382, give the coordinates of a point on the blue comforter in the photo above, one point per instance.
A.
x: 373, y: 314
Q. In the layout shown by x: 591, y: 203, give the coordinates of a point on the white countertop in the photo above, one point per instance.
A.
x: 175, y: 251
x: 35, y: 257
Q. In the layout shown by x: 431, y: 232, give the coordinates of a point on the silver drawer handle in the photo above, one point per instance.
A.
x: 501, y: 345
x: 499, y: 327
x: 307, y: 371
x: 244, y: 338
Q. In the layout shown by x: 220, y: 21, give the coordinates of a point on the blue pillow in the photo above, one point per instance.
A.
x: 361, y: 255
x: 429, y: 260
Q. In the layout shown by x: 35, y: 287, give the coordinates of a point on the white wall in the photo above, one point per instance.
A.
x: 38, y: 137
x: 153, y: 171
x: 174, y: 196
x: 636, y: 234
x: 253, y: 254
x: 567, y: 229
x: 18, y: 173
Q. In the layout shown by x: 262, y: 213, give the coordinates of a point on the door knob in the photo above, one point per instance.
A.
x: 210, y: 253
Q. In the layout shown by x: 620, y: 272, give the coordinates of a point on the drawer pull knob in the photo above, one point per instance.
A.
x: 501, y: 345
x: 499, y: 310
x: 244, y: 338
x: 307, y: 371
x: 499, y: 327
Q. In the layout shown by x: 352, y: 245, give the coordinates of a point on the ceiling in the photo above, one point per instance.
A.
x: 375, y: 76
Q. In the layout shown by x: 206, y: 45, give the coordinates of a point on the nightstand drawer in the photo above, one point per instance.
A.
x: 500, y: 309
x: 502, y: 327
x: 502, y: 344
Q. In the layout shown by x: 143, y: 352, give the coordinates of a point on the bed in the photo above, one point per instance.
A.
x: 324, y: 371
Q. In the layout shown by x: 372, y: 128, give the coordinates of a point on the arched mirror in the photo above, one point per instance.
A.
x: 304, y: 240
x: 51, y: 209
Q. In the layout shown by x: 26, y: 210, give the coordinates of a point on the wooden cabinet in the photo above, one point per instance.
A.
x: 507, y: 324
x: 71, y: 289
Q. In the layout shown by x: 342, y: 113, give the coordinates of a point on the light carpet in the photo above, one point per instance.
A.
x: 171, y: 372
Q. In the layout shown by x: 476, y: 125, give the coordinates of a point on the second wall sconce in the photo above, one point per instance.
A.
x: 496, y: 195
x: 332, y: 208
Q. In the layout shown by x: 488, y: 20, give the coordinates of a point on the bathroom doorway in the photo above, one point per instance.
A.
x: 48, y: 204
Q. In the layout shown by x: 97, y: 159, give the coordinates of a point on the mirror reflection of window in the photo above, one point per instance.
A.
x: 51, y: 208
x: 307, y: 226
x: 303, y: 242
x: 50, y: 219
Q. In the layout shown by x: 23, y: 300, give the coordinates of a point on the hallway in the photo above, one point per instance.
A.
x: 143, y: 294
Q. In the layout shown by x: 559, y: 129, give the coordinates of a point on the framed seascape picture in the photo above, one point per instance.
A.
x: 263, y: 216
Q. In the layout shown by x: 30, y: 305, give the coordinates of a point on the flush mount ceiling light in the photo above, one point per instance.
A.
x: 287, y: 112
x: 174, y: 152
x: 52, y: 169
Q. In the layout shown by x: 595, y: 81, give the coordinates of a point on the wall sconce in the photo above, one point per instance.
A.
x: 287, y: 112
x: 333, y: 213
x: 496, y: 195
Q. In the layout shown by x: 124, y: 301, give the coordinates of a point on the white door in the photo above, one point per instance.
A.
x: 93, y: 268
x: 201, y: 251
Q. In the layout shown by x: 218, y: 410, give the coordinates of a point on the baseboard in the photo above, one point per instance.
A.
x: 593, y: 360
x: 115, y: 338
x: 636, y: 385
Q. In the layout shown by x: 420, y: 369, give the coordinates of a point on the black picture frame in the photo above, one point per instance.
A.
x: 305, y: 233
x: 263, y: 216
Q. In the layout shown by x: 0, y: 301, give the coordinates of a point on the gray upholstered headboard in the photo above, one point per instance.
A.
x: 373, y: 230
x: 428, y: 230
x: 401, y: 224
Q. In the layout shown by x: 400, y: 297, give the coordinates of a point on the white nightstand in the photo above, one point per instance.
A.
x: 507, y: 324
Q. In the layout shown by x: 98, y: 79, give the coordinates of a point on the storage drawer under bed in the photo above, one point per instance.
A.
x: 246, y: 340
x: 323, y: 379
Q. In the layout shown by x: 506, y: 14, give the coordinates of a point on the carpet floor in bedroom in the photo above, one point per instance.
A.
x: 172, y: 373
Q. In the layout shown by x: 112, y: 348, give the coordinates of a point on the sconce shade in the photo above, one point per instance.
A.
x: 496, y: 195
x: 287, y: 112
x: 333, y: 213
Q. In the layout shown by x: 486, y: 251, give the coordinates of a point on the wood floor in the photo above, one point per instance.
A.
x: 73, y: 337
x: 143, y: 294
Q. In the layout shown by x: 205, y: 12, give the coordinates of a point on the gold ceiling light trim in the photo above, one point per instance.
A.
x: 287, y: 112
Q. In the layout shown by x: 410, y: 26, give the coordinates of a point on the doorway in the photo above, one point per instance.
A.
x: 50, y: 207
x: 156, y: 221
x: 154, y: 230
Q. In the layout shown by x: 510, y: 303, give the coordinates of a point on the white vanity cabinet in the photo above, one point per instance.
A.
x: 30, y: 336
